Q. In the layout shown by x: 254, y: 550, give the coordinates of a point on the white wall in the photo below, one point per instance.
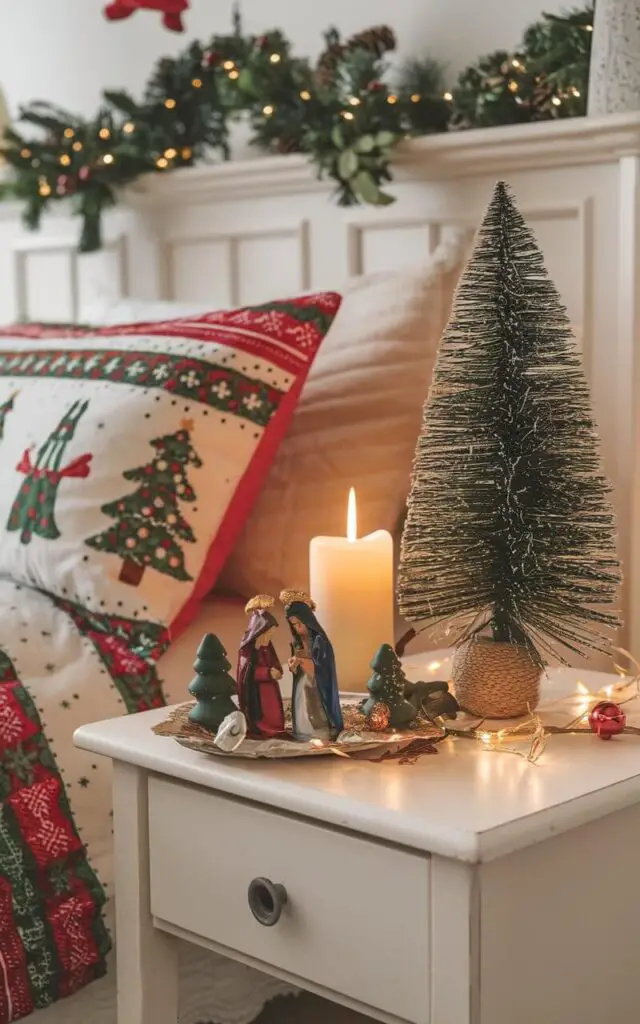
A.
x: 65, y: 51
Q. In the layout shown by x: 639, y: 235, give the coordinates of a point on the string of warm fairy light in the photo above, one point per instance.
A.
x: 537, y: 732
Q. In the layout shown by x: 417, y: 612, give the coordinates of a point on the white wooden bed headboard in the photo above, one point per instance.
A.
x: 245, y: 232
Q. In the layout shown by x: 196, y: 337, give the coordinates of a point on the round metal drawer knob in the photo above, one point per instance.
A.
x: 266, y: 901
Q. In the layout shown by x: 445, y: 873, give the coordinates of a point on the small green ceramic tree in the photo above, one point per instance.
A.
x: 212, y: 685
x: 386, y: 686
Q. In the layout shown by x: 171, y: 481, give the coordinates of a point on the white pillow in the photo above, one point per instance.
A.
x: 355, y: 426
x: 109, y: 312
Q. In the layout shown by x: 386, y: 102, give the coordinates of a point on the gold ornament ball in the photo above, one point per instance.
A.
x: 378, y: 717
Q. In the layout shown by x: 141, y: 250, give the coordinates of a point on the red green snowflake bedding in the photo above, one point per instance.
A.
x: 129, y: 458
x: 60, y: 666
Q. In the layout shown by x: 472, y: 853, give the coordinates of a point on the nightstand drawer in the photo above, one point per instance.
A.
x: 356, y: 916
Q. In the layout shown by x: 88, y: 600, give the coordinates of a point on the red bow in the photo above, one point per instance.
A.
x: 80, y: 467
x: 171, y: 10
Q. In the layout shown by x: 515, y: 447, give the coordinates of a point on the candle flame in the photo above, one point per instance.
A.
x: 352, y: 517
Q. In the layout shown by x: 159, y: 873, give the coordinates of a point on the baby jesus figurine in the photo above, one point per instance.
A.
x: 260, y: 672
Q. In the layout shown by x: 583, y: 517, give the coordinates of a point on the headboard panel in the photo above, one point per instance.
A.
x: 248, y: 231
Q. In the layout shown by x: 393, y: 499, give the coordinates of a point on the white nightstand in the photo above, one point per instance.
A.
x: 471, y: 888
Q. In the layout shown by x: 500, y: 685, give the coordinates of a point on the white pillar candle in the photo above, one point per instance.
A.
x: 351, y: 581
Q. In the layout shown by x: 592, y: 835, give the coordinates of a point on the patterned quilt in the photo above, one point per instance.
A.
x: 60, y: 667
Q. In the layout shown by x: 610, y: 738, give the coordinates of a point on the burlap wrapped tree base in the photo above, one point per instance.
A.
x: 495, y: 680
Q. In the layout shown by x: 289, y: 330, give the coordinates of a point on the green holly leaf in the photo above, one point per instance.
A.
x: 347, y: 164
x: 365, y: 144
x: 337, y: 136
x: 386, y: 139
x: 246, y: 81
x: 365, y: 186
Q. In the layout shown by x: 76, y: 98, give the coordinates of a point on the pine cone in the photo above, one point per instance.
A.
x: 378, y: 40
x: 288, y: 144
x: 541, y: 96
x: 325, y: 72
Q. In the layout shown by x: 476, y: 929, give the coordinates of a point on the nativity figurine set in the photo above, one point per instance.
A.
x: 316, y: 715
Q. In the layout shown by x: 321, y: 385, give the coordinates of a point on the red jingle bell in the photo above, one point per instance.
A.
x: 607, y: 719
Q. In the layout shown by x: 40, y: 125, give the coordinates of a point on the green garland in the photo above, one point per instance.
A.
x: 343, y: 113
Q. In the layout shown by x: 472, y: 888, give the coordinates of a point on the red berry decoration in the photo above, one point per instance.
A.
x: 64, y: 185
x: 375, y: 86
x: 210, y: 59
x: 84, y: 173
x: 378, y: 718
x: 607, y: 719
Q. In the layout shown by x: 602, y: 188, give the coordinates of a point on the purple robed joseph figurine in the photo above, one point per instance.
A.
x: 259, y: 672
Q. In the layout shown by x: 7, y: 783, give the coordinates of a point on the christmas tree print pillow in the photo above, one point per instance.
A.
x: 131, y: 456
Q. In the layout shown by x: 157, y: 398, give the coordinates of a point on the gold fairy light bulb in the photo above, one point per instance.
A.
x: 162, y: 162
x: 448, y: 96
x: 513, y: 86
x: 354, y: 101
x: 556, y: 101
x: 268, y: 110
x: 65, y: 159
x: 392, y: 99
x: 171, y: 153
x: 197, y: 83
x: 108, y: 158
x: 128, y: 127
x: 234, y: 74
x: 228, y: 65
x: 186, y: 153
x: 25, y: 153
x: 347, y: 115
x: 170, y: 103
x: 77, y: 146
x: 305, y: 95
x: 415, y: 97
x: 69, y: 133
x: 275, y: 58
x: 104, y: 133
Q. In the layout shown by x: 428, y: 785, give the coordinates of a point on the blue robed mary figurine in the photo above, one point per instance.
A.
x: 315, y: 702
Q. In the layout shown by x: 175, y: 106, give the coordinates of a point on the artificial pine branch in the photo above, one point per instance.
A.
x: 509, y: 521
x: 343, y: 114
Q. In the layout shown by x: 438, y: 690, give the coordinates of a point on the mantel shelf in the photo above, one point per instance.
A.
x: 494, y: 151
x: 498, y: 151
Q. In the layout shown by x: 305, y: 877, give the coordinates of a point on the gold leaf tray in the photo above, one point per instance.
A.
x: 354, y: 741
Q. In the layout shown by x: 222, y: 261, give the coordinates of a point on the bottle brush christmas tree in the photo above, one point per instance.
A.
x: 387, y: 686
x: 510, y: 534
x: 212, y: 686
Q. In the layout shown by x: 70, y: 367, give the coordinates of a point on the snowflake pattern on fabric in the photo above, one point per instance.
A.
x: 148, y: 521
x: 33, y: 510
x: 53, y: 940
x: 219, y: 387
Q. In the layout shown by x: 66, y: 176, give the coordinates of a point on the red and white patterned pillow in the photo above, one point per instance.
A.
x: 130, y: 457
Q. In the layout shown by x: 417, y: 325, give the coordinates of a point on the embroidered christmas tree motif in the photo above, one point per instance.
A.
x: 33, y: 509
x: 129, y: 650
x: 149, y: 522
x: 6, y: 408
